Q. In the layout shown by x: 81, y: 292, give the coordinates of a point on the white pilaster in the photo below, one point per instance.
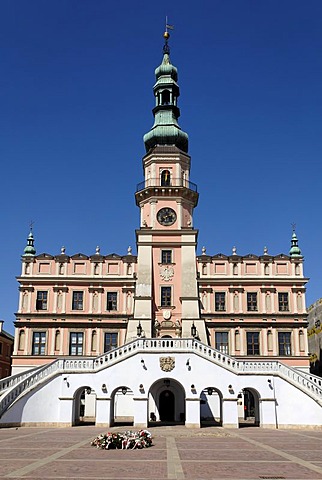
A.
x: 192, y: 412
x: 230, y: 413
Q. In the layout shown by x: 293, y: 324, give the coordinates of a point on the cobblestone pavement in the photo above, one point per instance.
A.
x: 177, y: 453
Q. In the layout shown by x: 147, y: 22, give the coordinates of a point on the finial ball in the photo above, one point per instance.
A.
x: 166, y: 35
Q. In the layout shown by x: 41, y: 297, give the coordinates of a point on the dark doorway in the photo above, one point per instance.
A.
x: 166, y: 406
x: 251, y: 409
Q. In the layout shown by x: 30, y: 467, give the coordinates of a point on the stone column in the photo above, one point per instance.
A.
x: 229, y: 413
x: 140, y: 412
x: 193, y: 412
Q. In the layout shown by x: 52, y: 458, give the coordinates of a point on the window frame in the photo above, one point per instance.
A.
x: 164, y: 254
x: 42, y: 300
x: 255, y: 346
x: 78, y: 304
x: 77, y: 344
x: 220, y: 305
x: 39, y: 347
x: 283, y: 305
x: 112, y: 344
x: 285, y: 346
x: 220, y: 345
x: 111, y: 304
x: 252, y: 302
x: 165, y: 296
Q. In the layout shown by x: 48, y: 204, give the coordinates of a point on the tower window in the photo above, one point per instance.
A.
x: 166, y: 257
x: 283, y: 302
x: 165, y: 296
x: 38, y: 343
x: 284, y: 343
x: 78, y: 301
x: 111, y: 301
x: 165, y: 178
x: 110, y: 341
x: 252, y: 302
x: 41, y: 302
x: 76, y: 343
x: 220, y: 301
x: 252, y: 343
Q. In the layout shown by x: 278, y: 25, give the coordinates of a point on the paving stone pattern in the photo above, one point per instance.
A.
x: 177, y: 453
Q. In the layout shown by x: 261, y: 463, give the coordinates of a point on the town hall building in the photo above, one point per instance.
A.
x: 162, y: 335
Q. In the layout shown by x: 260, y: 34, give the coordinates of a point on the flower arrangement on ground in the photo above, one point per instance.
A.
x: 127, y: 440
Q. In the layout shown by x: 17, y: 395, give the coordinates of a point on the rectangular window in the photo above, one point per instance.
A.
x: 111, y: 301
x: 252, y: 343
x: 78, y: 300
x: 165, y: 296
x: 41, y: 302
x: 0, y: 348
x: 284, y: 343
x: 221, y: 340
x: 283, y: 302
x: 220, y: 301
x: 252, y: 302
x: 110, y: 341
x: 38, y: 343
x: 166, y: 256
x: 76, y: 343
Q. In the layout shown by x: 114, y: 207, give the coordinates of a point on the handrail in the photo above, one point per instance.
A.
x: 173, y: 182
x: 9, y: 382
x: 307, y: 383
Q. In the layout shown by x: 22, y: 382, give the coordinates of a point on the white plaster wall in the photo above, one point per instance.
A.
x: 45, y: 404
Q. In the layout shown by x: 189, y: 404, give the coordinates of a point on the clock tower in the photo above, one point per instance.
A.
x: 166, y: 299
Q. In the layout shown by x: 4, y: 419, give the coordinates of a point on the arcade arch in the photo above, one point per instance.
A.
x: 211, y: 407
x: 84, y: 406
x: 248, y: 407
x: 166, y: 402
x: 122, y: 406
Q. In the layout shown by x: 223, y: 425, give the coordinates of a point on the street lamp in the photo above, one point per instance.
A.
x: 139, y: 329
x: 193, y: 330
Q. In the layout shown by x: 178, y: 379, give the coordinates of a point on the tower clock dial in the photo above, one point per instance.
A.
x: 166, y: 216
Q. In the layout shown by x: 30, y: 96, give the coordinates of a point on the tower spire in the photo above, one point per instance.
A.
x: 165, y: 130
x: 295, y: 249
x: 30, y: 250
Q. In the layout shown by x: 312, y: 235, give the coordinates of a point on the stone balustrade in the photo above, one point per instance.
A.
x: 13, y: 387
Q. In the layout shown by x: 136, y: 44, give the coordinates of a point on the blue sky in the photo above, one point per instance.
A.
x: 76, y: 98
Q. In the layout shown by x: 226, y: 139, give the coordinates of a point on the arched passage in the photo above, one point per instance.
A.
x: 166, y: 402
x: 210, y: 407
x: 249, y: 414
x: 122, y: 406
x: 84, y: 406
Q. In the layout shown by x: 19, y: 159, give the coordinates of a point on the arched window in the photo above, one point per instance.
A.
x: 165, y: 178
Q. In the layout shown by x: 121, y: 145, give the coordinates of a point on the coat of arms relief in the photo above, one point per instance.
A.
x: 166, y: 273
x: 167, y: 363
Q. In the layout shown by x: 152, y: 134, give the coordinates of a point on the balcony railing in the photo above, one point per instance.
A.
x: 12, y: 390
x: 173, y: 182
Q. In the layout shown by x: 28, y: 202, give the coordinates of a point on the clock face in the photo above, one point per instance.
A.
x: 166, y: 216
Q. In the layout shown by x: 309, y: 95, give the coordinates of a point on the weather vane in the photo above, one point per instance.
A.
x: 166, y: 36
x: 168, y: 26
x: 293, y: 226
x: 31, y: 224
